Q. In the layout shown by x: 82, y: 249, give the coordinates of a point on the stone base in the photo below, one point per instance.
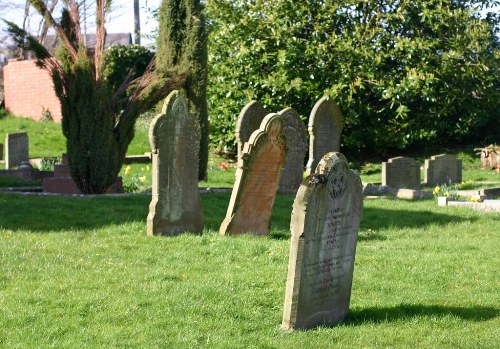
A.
x: 68, y: 186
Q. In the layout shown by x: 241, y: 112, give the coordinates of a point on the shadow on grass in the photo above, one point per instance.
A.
x: 52, y: 214
x: 406, y: 312
x: 375, y: 218
x: 55, y: 213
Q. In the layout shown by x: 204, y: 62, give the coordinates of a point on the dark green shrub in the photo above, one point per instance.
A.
x: 405, y: 74
x: 121, y: 60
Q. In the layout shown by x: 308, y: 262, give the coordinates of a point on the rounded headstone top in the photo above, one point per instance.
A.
x: 25, y: 165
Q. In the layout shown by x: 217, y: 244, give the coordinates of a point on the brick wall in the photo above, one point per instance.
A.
x: 28, y: 90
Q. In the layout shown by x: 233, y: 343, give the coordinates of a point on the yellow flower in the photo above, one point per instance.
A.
x: 147, y: 167
x: 473, y: 199
x: 142, y: 178
x: 127, y: 170
x: 436, y: 190
x: 446, y: 193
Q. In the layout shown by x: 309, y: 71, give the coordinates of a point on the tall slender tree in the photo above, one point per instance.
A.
x: 182, y: 48
x: 137, y: 23
x: 97, y: 119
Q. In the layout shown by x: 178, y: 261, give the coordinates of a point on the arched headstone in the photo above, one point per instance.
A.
x: 248, y: 121
x: 325, y: 127
x: 257, y: 179
x: 174, y: 136
x: 296, y: 146
x: 325, y: 221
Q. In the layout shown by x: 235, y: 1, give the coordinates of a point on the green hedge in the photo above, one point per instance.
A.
x: 405, y: 74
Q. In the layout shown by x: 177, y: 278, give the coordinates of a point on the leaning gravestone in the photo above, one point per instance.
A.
x: 248, y: 121
x: 325, y: 221
x: 442, y: 169
x: 257, y: 179
x: 296, y: 146
x: 325, y: 127
x: 16, y: 149
x: 174, y: 136
x: 401, y: 172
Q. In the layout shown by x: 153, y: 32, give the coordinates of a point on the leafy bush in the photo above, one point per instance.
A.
x: 405, y: 74
x: 120, y: 60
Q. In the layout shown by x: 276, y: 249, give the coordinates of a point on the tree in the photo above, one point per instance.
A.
x: 405, y: 73
x: 97, y: 120
x: 182, y: 48
x: 137, y: 23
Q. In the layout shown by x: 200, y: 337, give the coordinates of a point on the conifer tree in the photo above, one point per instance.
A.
x: 97, y: 118
x: 182, y: 48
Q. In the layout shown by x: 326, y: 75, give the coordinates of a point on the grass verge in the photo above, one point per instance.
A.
x: 81, y: 272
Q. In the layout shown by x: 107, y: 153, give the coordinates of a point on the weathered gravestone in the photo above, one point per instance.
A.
x: 16, y: 149
x: 325, y: 221
x: 442, y: 169
x: 401, y: 172
x: 325, y: 127
x: 248, y: 121
x: 257, y: 178
x: 174, y: 136
x: 296, y: 146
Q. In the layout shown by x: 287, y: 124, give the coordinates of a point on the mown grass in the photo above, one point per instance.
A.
x: 46, y: 138
x: 81, y: 272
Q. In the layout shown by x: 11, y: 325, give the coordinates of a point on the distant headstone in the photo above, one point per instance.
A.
x: 325, y: 221
x: 248, y: 121
x: 16, y: 149
x: 62, y: 183
x: 296, y: 146
x: 325, y: 127
x: 174, y: 136
x: 257, y: 179
x: 401, y: 172
x: 442, y: 169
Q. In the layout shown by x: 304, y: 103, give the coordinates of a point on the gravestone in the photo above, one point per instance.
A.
x: 16, y: 149
x: 296, y: 146
x: 401, y: 172
x: 257, y: 179
x: 61, y: 181
x: 174, y: 136
x: 1, y: 151
x: 325, y: 221
x: 248, y: 121
x: 442, y: 169
x: 325, y: 127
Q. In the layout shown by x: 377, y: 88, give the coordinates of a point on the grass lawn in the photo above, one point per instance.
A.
x: 46, y: 138
x: 81, y: 272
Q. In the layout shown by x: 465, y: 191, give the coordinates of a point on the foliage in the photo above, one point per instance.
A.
x: 48, y: 163
x: 405, y: 73
x: 182, y: 47
x: 121, y: 60
x: 3, y: 113
x: 98, y: 119
x: 446, y: 190
x: 136, y: 182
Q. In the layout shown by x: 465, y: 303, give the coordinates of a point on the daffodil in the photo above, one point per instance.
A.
x: 127, y: 170
x: 142, y: 178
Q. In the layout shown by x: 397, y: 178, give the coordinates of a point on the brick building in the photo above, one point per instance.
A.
x: 29, y: 91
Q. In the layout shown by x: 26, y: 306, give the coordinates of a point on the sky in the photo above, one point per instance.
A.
x: 123, y: 18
